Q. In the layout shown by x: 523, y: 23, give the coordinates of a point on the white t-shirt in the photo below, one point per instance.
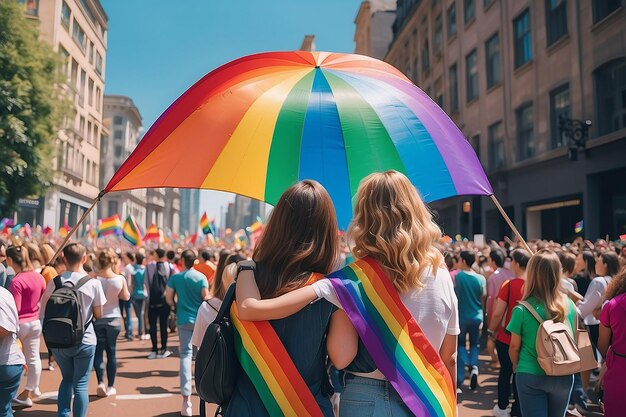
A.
x: 434, y: 306
x: 593, y: 298
x: 206, y: 315
x: 112, y: 288
x: 129, y: 270
x: 91, y: 294
x: 10, y: 353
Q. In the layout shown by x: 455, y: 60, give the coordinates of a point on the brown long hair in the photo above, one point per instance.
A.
x: 543, y: 281
x: 393, y: 225
x: 300, y: 237
x: 617, y: 285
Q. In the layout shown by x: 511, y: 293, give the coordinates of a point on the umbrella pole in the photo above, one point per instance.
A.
x: 510, y: 223
x: 73, y: 230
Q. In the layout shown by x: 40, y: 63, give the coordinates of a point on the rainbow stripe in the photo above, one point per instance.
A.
x: 204, y: 224
x: 268, y: 120
x: 131, y: 232
x: 153, y: 233
x: 394, y: 340
x: 271, y: 370
x: 110, y: 225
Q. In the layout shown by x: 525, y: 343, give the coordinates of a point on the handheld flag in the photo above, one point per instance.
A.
x: 204, y: 224
x: 130, y: 231
x: 153, y: 233
x: 110, y: 225
x: 578, y: 227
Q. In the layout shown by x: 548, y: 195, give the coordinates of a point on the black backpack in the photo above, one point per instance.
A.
x: 63, y: 324
x: 158, y: 285
x: 217, y: 367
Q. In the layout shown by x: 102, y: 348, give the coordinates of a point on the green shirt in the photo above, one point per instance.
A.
x: 524, y: 324
x: 188, y: 286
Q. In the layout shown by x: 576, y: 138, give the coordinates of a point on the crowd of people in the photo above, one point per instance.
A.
x: 460, y: 297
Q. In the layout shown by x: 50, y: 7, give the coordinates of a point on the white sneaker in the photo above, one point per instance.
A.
x: 474, y: 378
x: 186, y: 410
x: 36, y: 393
x: 111, y: 391
x: 102, y: 390
x: 50, y: 367
x: 164, y: 354
x: 498, y: 412
x: 27, y: 403
x: 152, y: 355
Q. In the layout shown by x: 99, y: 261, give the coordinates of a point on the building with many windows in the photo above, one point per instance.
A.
x: 512, y: 74
x: 189, y: 210
x: 77, y: 30
x: 373, y: 23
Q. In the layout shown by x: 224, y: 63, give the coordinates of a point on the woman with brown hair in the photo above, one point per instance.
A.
x: 300, y: 239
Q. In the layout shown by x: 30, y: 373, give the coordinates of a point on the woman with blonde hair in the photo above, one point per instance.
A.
x: 540, y: 395
x: 108, y: 327
x: 400, y: 307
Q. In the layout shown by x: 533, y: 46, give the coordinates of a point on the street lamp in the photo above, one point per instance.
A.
x: 577, y: 133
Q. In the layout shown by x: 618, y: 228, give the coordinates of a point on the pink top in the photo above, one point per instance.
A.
x: 495, y: 281
x: 614, y: 316
x: 27, y: 288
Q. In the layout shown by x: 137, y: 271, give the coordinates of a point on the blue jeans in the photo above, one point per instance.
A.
x: 75, y: 363
x: 542, y: 395
x: 367, y: 397
x: 469, y: 329
x: 184, y: 337
x: 139, y: 305
x: 10, y: 378
x: 107, y: 331
x: 128, y: 324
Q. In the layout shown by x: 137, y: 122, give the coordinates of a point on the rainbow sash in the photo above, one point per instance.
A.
x: 394, y: 340
x: 271, y: 370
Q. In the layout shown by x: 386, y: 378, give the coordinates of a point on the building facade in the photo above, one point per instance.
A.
x: 123, y: 124
x: 243, y: 212
x: 373, y: 27
x: 509, y: 73
x: 189, y: 210
x: 77, y: 30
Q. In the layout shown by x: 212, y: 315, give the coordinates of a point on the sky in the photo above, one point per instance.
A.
x: 159, y: 48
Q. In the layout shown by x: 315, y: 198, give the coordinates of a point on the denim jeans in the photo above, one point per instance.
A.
x: 367, y: 397
x: 139, y: 305
x: 184, y: 336
x: 542, y: 395
x: 128, y: 324
x: 10, y: 378
x: 107, y: 331
x: 469, y: 329
x: 30, y: 336
x: 75, y: 363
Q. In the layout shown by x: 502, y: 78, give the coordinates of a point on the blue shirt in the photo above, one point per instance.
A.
x: 188, y: 286
x: 470, y: 288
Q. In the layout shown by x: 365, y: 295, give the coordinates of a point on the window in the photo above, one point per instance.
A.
x: 81, y: 126
x: 78, y: 34
x: 90, y: 92
x: 468, y: 11
x: 89, y: 131
x: 452, y: 21
x: 91, y: 52
x: 113, y: 208
x: 496, y: 146
x: 117, y: 135
x: 118, y: 151
x: 437, y: 34
x: 556, y: 20
x: 492, y: 52
x: 525, y: 132
x: 487, y: 3
x: 74, y: 74
x: 31, y: 7
x: 425, y: 56
x: 454, y: 89
x: 610, y: 85
x: 471, y: 75
x: 98, y: 98
x: 521, y: 29
x: 559, y: 107
x: 65, y: 62
x: 66, y: 14
x: 98, y: 63
x: 81, y: 88
x: 118, y: 120
x: 603, y: 8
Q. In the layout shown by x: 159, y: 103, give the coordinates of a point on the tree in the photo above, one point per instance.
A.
x: 31, y: 107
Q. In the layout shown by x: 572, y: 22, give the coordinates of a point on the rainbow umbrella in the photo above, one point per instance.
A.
x: 259, y: 124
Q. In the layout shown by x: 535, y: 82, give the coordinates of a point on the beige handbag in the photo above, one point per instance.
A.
x: 588, y: 359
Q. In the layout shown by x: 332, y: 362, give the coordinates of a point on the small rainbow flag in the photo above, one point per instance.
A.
x: 110, y: 225
x: 204, y: 224
x: 131, y: 232
x: 578, y: 227
x: 394, y: 340
x: 153, y: 234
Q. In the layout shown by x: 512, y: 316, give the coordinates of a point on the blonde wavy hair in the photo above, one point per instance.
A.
x: 393, y: 225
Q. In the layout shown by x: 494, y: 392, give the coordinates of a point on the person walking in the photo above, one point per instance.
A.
x: 471, y: 292
x: 157, y: 275
x: 540, y: 395
x: 206, y: 266
x: 497, y: 261
x: 27, y: 287
x: 128, y: 261
x: 510, y: 293
x: 612, y: 346
x: 108, y: 326
x: 139, y: 295
x: 11, y: 358
x: 76, y: 362
x: 191, y: 288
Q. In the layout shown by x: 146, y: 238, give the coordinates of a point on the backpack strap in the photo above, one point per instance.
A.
x: 58, y: 283
x: 532, y: 311
x: 82, y: 282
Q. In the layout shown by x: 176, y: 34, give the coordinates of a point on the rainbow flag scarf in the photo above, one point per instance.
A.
x: 271, y: 370
x: 394, y: 340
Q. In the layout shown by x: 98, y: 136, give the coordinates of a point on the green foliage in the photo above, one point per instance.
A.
x: 31, y: 106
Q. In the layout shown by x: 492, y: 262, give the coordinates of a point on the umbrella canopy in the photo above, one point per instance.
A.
x: 258, y: 124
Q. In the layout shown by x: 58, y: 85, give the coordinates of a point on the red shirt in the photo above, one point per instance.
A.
x: 510, y: 292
